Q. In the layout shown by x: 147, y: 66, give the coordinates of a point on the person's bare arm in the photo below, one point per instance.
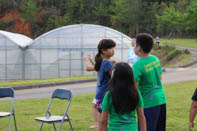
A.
x: 90, y: 59
x: 103, y: 121
x: 192, y: 114
x: 141, y: 118
x: 88, y: 68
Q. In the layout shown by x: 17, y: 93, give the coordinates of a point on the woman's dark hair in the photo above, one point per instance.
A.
x: 123, y: 90
x: 145, y: 41
x: 103, y: 44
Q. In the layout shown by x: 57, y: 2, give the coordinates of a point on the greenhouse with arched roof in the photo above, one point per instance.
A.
x: 12, y: 46
x: 59, y: 53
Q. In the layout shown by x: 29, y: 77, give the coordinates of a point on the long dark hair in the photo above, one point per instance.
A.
x: 123, y: 90
x: 103, y: 44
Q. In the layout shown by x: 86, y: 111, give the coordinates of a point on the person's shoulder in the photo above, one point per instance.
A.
x: 137, y: 65
x: 155, y: 58
x: 106, y: 62
x: 107, y: 95
x: 131, y: 48
x: 138, y: 62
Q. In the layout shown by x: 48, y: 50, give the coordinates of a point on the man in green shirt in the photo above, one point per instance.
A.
x: 147, y: 74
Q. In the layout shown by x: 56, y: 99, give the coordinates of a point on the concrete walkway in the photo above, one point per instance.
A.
x: 174, y: 76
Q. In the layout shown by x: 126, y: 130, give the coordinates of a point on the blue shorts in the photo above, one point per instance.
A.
x: 155, y: 118
x: 99, y: 103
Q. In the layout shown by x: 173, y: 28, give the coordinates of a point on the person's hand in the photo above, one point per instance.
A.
x: 191, y: 126
x: 89, y: 56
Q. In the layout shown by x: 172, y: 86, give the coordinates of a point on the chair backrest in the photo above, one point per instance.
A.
x: 6, y: 92
x: 62, y: 94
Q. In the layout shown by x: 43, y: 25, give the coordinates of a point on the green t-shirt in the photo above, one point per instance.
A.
x: 147, y: 73
x: 125, y: 122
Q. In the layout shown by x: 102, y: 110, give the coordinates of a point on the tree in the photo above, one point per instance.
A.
x: 173, y: 18
x: 192, y: 16
x: 133, y: 16
x: 103, y: 12
x: 6, y: 5
x: 28, y: 9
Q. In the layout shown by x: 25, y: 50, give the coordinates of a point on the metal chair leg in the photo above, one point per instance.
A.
x: 54, y: 126
x: 15, y: 121
x: 9, y: 122
x: 59, y: 129
x: 70, y: 125
x: 62, y: 123
x: 69, y: 122
x: 41, y: 126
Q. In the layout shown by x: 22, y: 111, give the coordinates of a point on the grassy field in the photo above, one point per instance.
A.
x: 34, y: 82
x: 192, y: 43
x: 178, y: 104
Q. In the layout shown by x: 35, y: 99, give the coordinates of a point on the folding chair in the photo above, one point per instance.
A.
x: 8, y: 92
x: 51, y: 119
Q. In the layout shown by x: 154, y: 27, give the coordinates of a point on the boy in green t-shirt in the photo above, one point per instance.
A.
x: 147, y: 73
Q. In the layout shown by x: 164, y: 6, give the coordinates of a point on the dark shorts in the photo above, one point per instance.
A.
x: 194, y: 97
x: 155, y: 118
x: 99, y: 103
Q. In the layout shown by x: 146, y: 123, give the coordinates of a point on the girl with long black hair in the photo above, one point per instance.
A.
x: 121, y: 101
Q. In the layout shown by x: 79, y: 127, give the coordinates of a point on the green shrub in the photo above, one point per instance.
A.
x: 156, y: 47
x: 168, y: 48
x: 174, y: 53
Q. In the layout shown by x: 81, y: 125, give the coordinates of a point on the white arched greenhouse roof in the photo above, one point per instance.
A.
x: 60, y: 52
x: 80, y: 36
x: 18, y: 39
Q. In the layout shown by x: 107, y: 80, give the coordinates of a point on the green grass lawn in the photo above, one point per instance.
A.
x: 178, y: 104
x: 34, y: 82
x: 192, y: 43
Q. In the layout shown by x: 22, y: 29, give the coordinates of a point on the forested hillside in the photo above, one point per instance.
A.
x: 165, y: 18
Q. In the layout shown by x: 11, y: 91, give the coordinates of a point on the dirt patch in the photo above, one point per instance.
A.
x: 19, y: 23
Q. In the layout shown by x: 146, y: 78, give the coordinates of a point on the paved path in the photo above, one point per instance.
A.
x: 192, y: 50
x: 173, y: 76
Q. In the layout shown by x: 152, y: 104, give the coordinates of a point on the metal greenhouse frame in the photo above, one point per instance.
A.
x: 59, y: 53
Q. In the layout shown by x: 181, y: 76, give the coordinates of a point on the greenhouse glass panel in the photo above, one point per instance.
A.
x: 12, y: 47
x: 60, y: 52
x: 32, y: 71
